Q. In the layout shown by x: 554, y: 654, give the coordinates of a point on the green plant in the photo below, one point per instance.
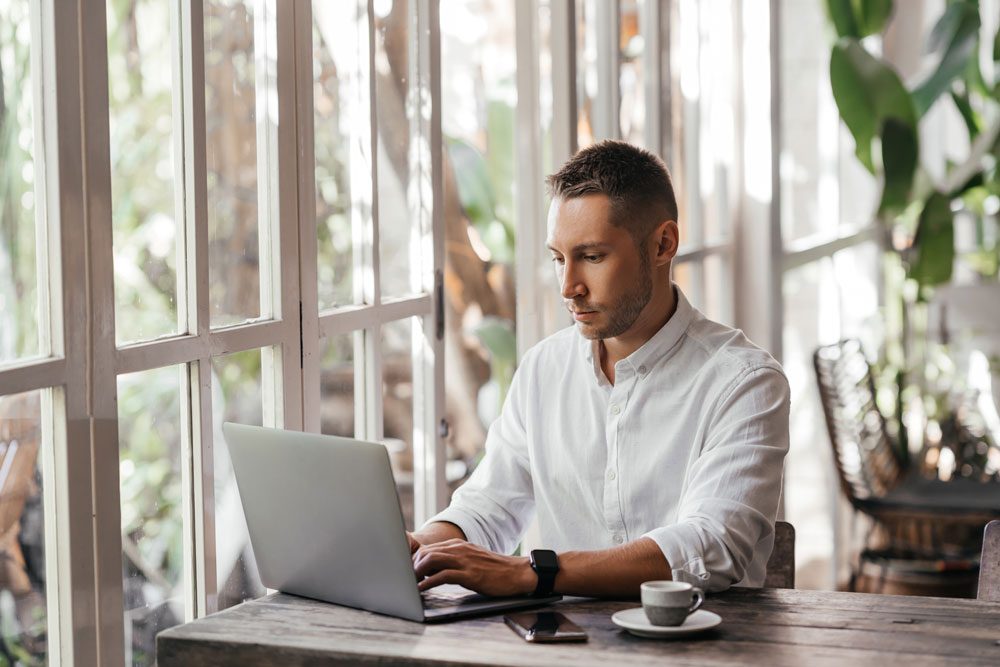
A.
x: 916, y: 212
x: 884, y: 115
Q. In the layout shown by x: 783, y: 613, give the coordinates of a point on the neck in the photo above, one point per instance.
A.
x: 653, y: 317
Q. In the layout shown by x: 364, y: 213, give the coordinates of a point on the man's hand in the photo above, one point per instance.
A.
x: 458, y: 562
x: 414, y: 545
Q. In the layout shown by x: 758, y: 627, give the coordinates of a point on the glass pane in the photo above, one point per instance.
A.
x: 857, y: 271
x: 342, y: 127
x: 236, y: 245
x: 397, y: 407
x: 632, y: 50
x: 143, y: 171
x: 395, y: 94
x: 823, y: 186
x: 808, y: 492
x: 688, y: 277
x: 150, y: 427
x: 336, y: 385
x: 479, y: 94
x: 18, y: 270
x: 685, y: 91
x: 825, y: 301
x: 717, y: 116
x: 719, y: 290
x: 236, y: 397
x: 22, y: 529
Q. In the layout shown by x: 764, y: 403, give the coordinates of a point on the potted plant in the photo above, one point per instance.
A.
x: 916, y: 212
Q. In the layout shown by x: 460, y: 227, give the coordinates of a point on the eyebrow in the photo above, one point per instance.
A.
x: 581, y: 247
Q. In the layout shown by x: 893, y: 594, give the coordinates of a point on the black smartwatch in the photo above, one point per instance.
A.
x: 545, y: 563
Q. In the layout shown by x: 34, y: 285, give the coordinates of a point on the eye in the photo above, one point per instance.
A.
x: 558, y: 260
x: 593, y: 258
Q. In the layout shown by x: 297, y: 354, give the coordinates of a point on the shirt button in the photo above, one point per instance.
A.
x: 619, y: 539
x: 642, y: 370
x: 615, y: 409
x: 611, y: 474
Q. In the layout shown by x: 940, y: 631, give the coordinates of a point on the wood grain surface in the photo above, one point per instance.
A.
x: 759, y: 626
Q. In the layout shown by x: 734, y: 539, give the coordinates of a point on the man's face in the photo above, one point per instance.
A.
x: 604, y: 278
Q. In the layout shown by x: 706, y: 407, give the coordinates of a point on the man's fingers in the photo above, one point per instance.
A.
x: 442, y: 577
x: 430, y: 563
x: 451, y: 546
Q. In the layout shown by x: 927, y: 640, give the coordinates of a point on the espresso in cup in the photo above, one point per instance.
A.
x: 669, y: 602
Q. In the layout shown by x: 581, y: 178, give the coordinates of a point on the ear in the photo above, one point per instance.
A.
x: 666, y: 236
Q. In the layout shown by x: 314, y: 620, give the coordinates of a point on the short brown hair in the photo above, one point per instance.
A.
x: 635, y: 181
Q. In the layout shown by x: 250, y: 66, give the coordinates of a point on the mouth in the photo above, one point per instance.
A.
x: 584, y: 315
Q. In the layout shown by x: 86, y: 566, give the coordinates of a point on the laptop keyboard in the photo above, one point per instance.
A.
x: 438, y: 599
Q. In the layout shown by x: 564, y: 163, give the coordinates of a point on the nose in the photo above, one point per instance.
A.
x: 570, y: 285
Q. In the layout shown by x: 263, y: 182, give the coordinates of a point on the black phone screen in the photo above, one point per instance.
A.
x: 545, y: 626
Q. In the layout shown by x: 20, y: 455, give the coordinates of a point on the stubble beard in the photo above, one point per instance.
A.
x: 623, y: 316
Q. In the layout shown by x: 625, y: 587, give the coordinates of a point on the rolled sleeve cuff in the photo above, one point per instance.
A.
x: 468, y: 522
x: 681, y: 546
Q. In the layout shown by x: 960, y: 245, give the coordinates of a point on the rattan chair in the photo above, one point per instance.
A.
x: 917, y: 523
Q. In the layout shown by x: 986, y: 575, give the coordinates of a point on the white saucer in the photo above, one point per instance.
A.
x: 635, y: 621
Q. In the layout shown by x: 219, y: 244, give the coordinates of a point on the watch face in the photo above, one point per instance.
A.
x: 544, y: 559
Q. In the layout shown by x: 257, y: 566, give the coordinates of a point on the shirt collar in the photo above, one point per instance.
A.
x: 653, y: 349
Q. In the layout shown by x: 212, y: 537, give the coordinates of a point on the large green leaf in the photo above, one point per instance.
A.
x: 899, y: 162
x: 955, y: 36
x: 868, y: 92
x: 973, y: 121
x: 872, y: 15
x: 842, y: 15
x: 996, y: 46
x: 934, y: 243
x: 858, y: 18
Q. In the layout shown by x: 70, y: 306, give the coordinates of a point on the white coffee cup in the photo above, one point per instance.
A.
x: 669, y: 602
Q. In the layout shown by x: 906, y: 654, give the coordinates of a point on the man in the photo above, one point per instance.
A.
x: 648, y: 439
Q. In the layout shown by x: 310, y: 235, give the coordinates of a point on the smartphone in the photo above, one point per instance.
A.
x: 545, y: 626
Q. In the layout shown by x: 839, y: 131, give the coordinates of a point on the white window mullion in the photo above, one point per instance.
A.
x: 102, y: 379
x: 281, y: 380
x: 307, y: 232
x: 368, y: 346
x: 777, y: 240
x: 71, y: 543
x: 607, y: 124
x: 429, y: 455
x: 201, y: 490
x: 564, y: 109
x: 757, y: 294
x: 530, y: 198
x: 371, y: 348
x: 656, y: 68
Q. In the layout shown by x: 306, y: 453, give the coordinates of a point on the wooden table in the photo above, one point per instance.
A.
x: 759, y: 627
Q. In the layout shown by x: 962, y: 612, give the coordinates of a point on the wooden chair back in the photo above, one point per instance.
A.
x: 781, y: 564
x: 989, y: 564
x: 867, y: 463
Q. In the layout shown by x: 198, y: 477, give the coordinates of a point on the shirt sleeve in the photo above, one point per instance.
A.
x: 730, y: 501
x: 495, y: 505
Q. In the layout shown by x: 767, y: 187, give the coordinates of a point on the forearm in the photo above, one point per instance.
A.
x: 611, y: 573
x: 438, y: 531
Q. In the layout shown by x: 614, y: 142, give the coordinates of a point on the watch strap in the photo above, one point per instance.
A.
x: 546, y: 567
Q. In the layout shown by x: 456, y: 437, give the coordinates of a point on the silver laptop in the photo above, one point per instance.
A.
x: 325, y: 523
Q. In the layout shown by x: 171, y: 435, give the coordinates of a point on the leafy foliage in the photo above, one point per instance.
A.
x: 883, y: 116
x: 859, y: 18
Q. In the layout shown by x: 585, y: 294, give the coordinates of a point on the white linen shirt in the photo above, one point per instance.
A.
x: 686, y: 448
